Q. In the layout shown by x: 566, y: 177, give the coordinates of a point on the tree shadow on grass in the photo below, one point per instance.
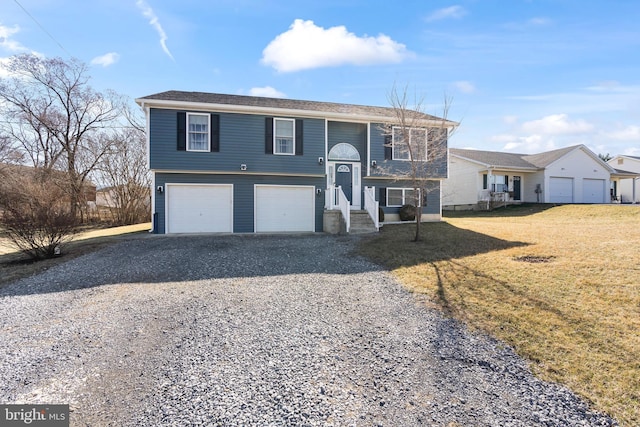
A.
x: 394, y: 248
x: 524, y: 209
x: 161, y: 259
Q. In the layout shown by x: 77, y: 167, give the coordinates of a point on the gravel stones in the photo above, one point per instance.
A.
x: 256, y: 330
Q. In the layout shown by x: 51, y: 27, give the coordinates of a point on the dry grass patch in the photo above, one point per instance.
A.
x: 15, y: 265
x: 561, y: 285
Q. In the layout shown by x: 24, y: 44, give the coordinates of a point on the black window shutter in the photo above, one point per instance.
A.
x: 215, y: 133
x: 506, y: 181
x: 182, y: 131
x: 484, y: 181
x: 268, y: 135
x: 388, y: 153
x: 299, y: 133
x: 382, y: 195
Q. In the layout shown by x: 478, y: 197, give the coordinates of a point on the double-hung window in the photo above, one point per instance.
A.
x: 198, y: 136
x: 409, y: 143
x: 283, y: 136
x: 402, y: 196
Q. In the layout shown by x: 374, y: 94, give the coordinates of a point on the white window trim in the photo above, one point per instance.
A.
x: 393, y: 143
x: 404, y: 196
x: 275, y: 137
x: 208, y: 116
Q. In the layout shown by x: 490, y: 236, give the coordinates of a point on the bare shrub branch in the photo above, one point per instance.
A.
x: 35, y: 214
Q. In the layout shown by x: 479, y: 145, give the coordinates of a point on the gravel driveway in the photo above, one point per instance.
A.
x: 256, y: 330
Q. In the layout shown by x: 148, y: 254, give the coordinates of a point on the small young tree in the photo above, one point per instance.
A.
x: 34, y: 212
x: 422, y: 141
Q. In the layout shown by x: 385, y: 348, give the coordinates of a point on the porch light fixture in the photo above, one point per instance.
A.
x: 374, y: 164
x: 160, y: 189
x: 320, y: 161
x: 243, y: 167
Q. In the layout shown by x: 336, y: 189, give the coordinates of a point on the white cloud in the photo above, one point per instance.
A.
x: 533, y: 22
x: 6, y: 41
x: 4, y: 73
x: 464, y: 86
x: 557, y: 124
x: 266, y: 91
x: 453, y: 12
x: 630, y: 133
x: 148, y: 13
x: 605, y: 86
x: 539, y: 21
x: 632, y: 151
x: 306, y: 45
x: 531, y: 144
x: 510, y: 119
x: 106, y: 59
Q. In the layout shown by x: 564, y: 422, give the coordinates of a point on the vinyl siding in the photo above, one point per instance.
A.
x: 351, y: 133
x: 577, y: 165
x: 438, y: 170
x: 464, y: 185
x: 243, y: 195
x: 433, y: 196
x: 242, y: 141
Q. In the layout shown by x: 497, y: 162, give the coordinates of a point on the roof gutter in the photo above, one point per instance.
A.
x: 247, y: 109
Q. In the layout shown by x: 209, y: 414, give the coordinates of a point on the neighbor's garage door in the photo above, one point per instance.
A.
x: 199, y: 208
x: 561, y: 190
x: 285, y: 208
x: 593, y: 190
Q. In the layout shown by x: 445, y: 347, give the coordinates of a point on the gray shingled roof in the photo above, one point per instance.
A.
x: 542, y: 160
x: 513, y: 160
x: 494, y: 158
x: 276, y: 103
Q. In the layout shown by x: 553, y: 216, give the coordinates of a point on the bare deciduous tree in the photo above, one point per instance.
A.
x: 422, y: 141
x: 57, y: 119
x: 8, y: 153
x: 124, y: 173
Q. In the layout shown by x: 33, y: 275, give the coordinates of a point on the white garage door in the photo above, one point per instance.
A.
x: 199, y: 208
x: 284, y: 208
x: 592, y: 190
x: 561, y: 190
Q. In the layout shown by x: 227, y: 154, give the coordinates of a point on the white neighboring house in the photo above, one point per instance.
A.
x: 568, y: 175
x: 626, y: 188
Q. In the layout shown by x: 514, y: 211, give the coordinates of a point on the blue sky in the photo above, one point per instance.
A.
x: 523, y: 75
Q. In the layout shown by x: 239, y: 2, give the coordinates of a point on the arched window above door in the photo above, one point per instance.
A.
x: 345, y: 152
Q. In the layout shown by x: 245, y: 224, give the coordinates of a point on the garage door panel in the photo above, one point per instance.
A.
x: 199, y: 208
x: 561, y: 190
x: 284, y: 208
x: 593, y: 190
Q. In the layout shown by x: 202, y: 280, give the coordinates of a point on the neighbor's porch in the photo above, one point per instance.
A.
x: 500, y: 188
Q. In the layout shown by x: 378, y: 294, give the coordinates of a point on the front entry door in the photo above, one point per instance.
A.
x: 344, y: 178
x: 516, y: 188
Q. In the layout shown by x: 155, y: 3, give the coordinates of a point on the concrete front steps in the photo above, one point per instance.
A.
x: 361, y: 223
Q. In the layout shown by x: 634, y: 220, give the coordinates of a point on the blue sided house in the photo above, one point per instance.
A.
x: 244, y: 164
